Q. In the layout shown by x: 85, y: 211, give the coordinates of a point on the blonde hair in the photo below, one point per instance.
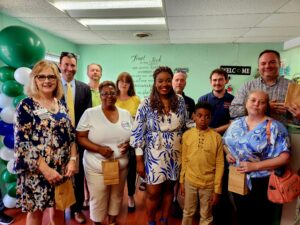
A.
x: 31, y: 88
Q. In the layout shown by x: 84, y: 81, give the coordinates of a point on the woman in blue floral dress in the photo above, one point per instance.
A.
x: 156, y: 136
x: 43, y: 136
x: 256, y: 144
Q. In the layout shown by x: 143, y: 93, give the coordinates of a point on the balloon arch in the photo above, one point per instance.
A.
x: 20, y: 49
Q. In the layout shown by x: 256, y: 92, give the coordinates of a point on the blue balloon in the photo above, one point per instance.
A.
x: 6, y: 128
x: 9, y: 141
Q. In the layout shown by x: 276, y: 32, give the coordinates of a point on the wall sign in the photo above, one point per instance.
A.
x: 237, y: 70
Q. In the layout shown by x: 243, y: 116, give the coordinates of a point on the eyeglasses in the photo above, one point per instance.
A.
x: 106, y: 94
x: 43, y: 77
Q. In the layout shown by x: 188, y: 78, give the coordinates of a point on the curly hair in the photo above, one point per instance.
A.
x: 155, y: 101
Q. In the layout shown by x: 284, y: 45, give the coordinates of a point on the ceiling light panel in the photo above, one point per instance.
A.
x: 129, y: 21
x: 79, y: 5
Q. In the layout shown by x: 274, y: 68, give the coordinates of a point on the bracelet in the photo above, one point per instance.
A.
x: 73, y: 158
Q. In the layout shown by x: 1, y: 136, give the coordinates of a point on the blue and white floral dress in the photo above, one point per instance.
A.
x: 253, y: 146
x: 158, y: 138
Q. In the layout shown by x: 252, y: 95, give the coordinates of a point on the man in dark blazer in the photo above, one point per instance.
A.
x: 82, y: 101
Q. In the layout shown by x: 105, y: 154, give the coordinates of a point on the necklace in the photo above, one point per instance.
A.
x: 51, y: 105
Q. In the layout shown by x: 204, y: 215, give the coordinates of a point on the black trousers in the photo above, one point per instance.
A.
x: 79, y: 184
x: 255, y: 208
x: 131, y: 177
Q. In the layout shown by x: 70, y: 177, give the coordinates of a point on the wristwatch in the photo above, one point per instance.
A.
x: 73, y: 158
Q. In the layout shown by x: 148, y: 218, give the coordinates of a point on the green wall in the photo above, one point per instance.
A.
x: 201, y: 59
x: 292, y: 59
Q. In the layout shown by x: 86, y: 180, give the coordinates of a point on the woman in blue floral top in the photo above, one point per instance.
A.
x: 43, y: 136
x: 256, y: 144
x: 156, y: 136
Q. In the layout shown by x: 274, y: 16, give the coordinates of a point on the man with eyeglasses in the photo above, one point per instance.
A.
x: 80, y: 93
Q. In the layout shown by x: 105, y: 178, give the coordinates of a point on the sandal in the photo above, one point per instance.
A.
x: 142, y: 186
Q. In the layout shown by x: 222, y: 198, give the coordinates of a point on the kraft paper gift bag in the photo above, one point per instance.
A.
x: 237, y: 182
x: 292, y: 95
x: 64, y: 195
x: 110, y: 172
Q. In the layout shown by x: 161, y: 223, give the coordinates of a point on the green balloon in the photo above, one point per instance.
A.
x: 8, y: 177
x: 6, y: 73
x: 18, y: 99
x: 20, y: 47
x: 12, y: 189
x: 12, y: 88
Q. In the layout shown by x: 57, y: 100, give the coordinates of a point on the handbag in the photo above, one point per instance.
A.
x: 237, y: 182
x: 64, y: 195
x: 111, y: 172
x: 283, y: 188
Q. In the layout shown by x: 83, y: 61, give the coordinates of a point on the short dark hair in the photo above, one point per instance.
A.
x: 107, y: 83
x: 270, y: 51
x: 67, y: 54
x: 219, y: 71
x: 88, y: 66
x: 203, y: 105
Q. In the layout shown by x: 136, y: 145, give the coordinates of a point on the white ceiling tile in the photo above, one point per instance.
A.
x: 202, y: 22
x: 221, y: 7
x: 208, y: 33
x: 281, y: 20
x: 30, y: 8
x: 291, y: 6
x: 261, y: 39
x: 201, y: 40
x: 276, y: 32
x: 141, y: 41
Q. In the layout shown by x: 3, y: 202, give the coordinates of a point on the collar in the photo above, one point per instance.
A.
x: 277, y: 80
x: 64, y: 82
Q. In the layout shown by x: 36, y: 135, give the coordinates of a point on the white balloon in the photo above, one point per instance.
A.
x: 10, y: 166
x: 22, y: 75
x: 7, y: 114
x: 6, y: 153
x: 5, y: 100
x: 9, y: 202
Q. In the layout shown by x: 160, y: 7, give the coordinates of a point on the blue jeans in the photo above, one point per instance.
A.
x: 1, y: 202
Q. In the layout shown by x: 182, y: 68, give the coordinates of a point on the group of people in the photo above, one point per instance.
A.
x: 60, y: 136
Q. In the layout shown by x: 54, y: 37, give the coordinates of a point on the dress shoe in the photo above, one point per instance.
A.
x: 79, y: 217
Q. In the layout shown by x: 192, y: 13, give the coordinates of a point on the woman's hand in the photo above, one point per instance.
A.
x: 140, y: 167
x: 51, y: 175
x: 123, y: 147
x: 106, y: 151
x: 230, y: 158
x: 246, y: 167
x: 71, y: 168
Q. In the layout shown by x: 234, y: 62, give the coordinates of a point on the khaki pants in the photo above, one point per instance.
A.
x: 192, y: 194
x: 104, y: 200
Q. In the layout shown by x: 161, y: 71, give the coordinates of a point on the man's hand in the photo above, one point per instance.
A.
x: 277, y: 107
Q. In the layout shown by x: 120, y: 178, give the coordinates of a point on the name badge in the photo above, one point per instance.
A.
x: 126, y: 125
x: 42, y: 113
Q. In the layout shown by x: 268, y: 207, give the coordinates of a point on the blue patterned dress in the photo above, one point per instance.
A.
x: 252, y: 146
x: 158, y: 136
x: 39, y: 133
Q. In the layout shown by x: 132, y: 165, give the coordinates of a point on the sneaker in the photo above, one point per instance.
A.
x: 5, y: 219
